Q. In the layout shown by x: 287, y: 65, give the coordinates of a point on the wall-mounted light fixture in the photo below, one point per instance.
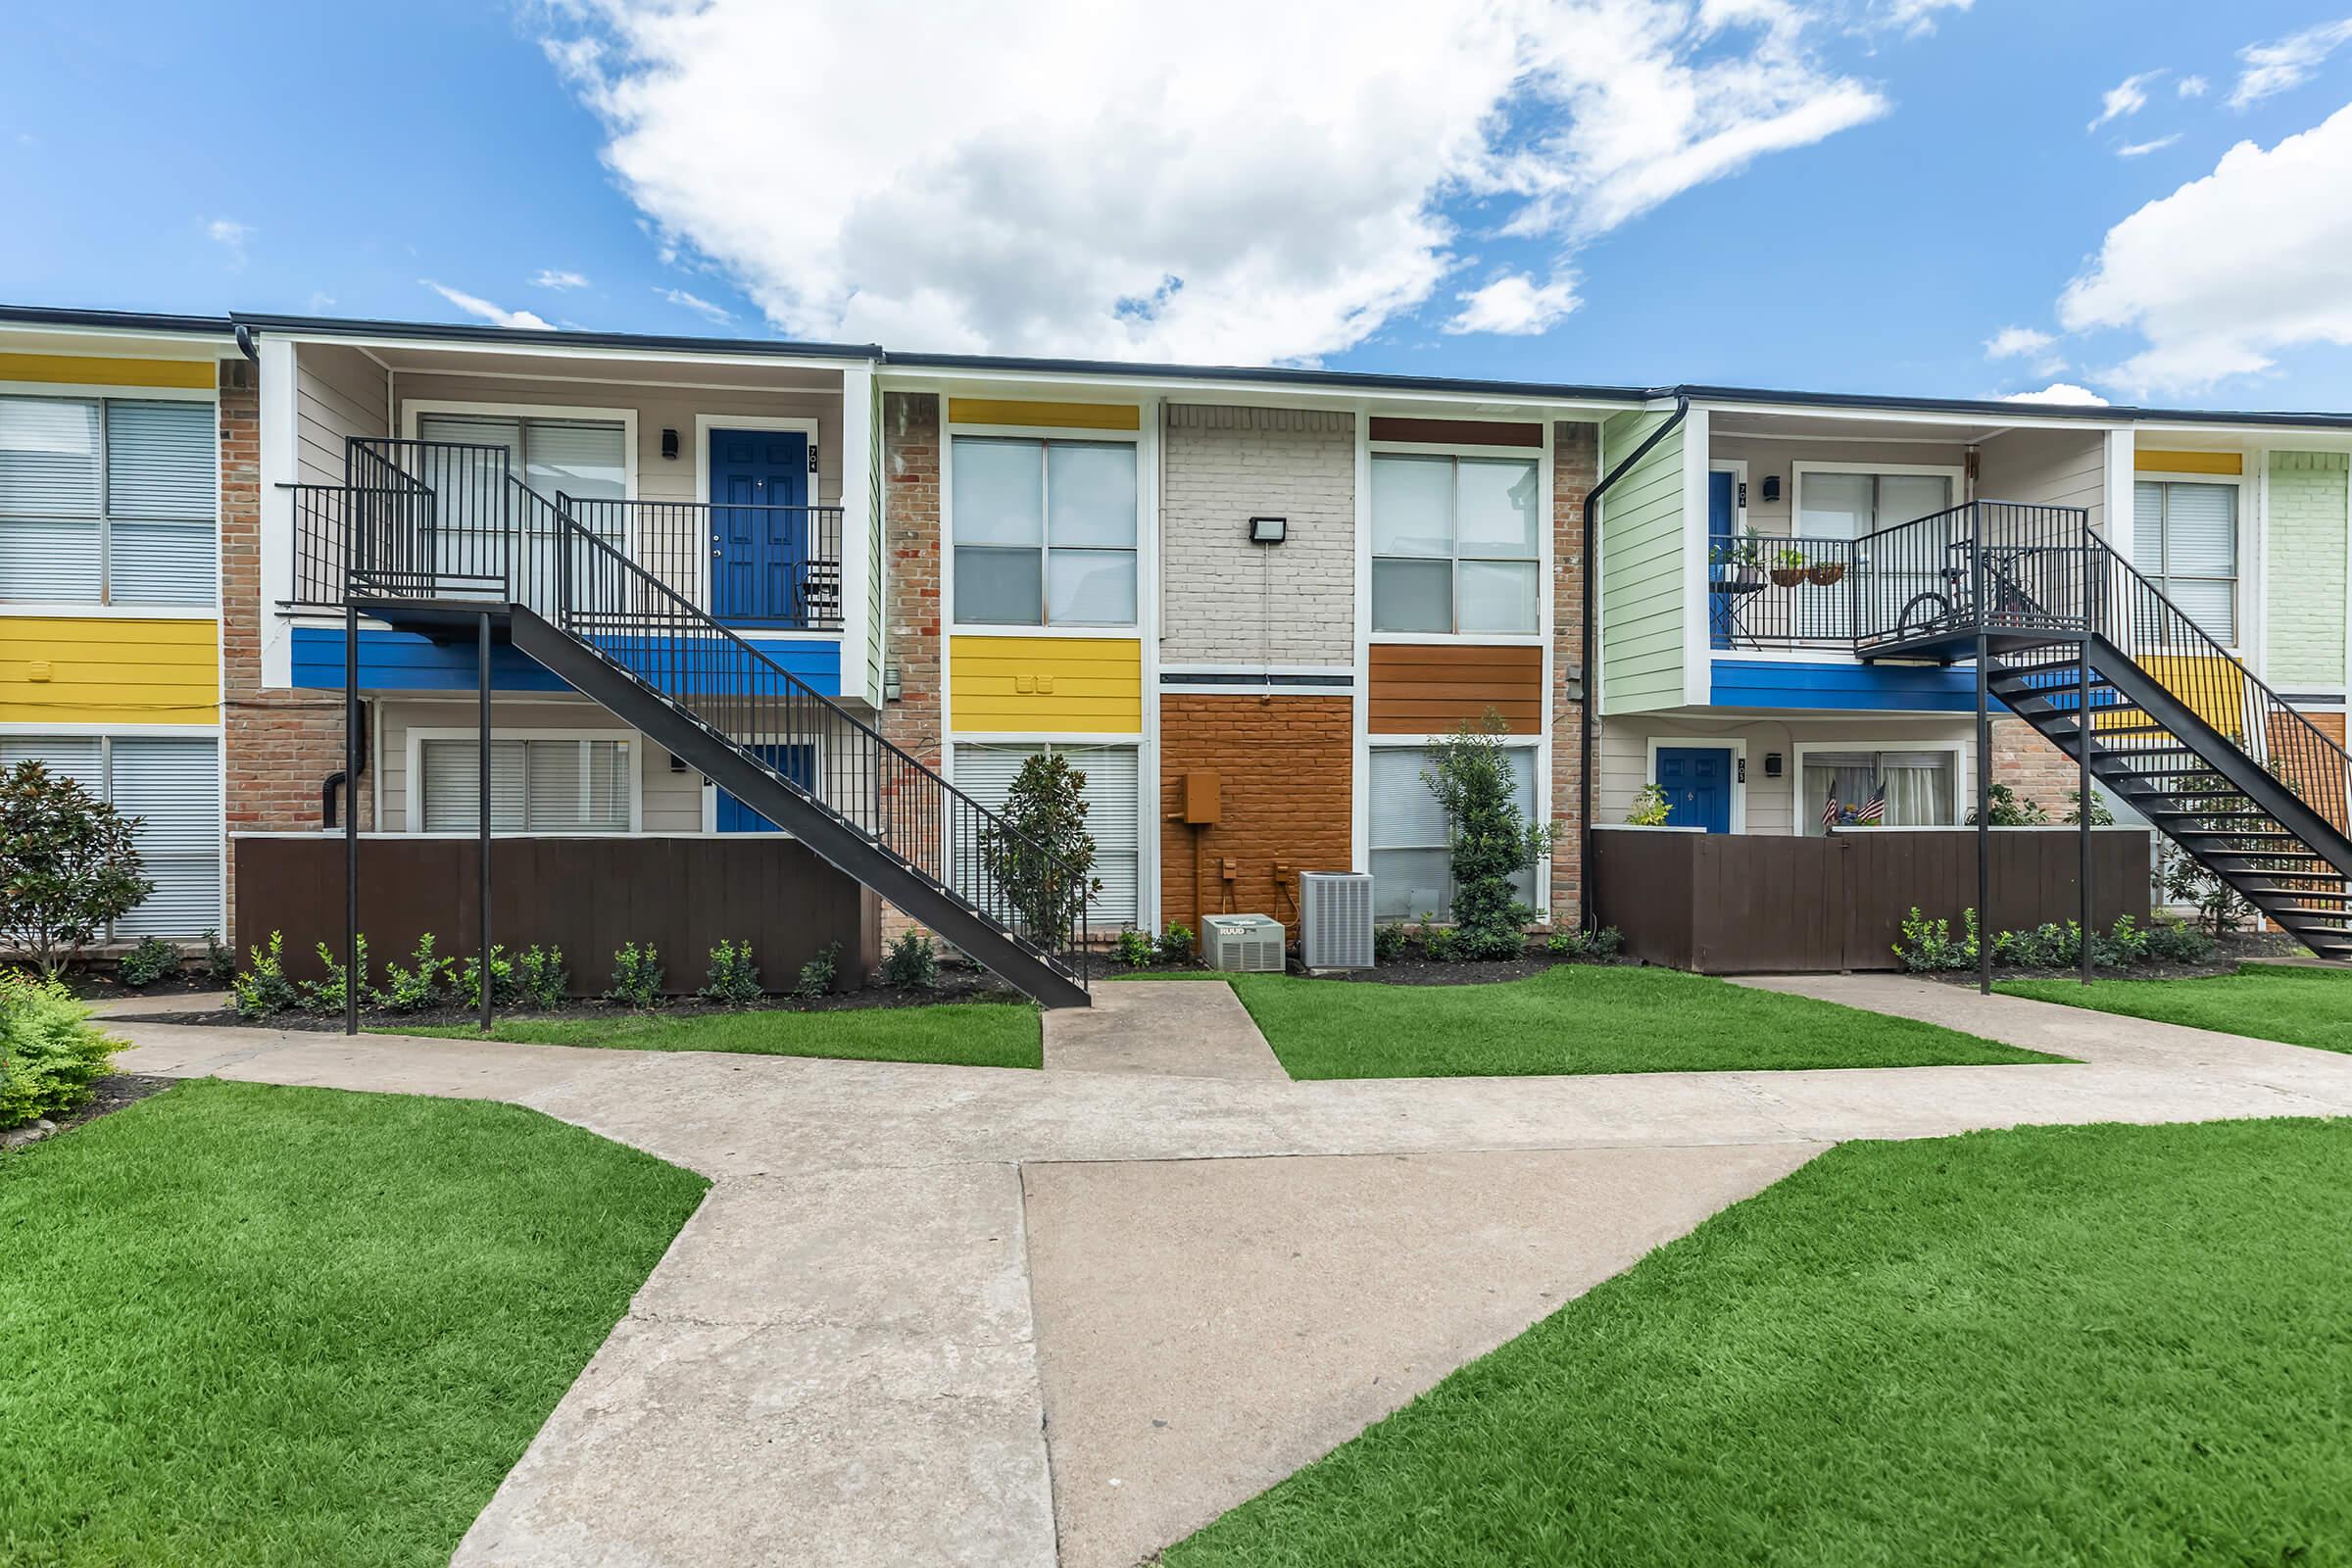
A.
x: 1772, y: 487
x: 1772, y: 764
x: 669, y: 445
x: 1268, y: 531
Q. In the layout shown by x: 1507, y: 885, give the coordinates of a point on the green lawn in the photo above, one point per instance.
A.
x: 971, y: 1034
x: 259, y: 1326
x: 2098, y: 1344
x: 2301, y: 1006
x: 1579, y: 1018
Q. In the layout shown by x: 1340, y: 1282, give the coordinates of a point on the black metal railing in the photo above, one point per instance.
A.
x: 813, y: 745
x: 1996, y: 565
x: 1774, y: 591
x: 761, y: 566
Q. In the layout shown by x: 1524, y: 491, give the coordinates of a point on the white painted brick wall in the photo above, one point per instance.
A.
x: 1227, y: 601
x: 2307, y: 569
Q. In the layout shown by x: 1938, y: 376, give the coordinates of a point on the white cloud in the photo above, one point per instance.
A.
x: 2015, y: 342
x: 1915, y: 18
x: 716, y: 314
x: 2127, y: 97
x: 2192, y: 86
x: 2284, y: 63
x: 475, y: 305
x: 1515, y: 306
x: 2060, y: 392
x: 559, y: 278
x: 1096, y: 181
x: 231, y: 236
x: 2141, y: 149
x: 2228, y: 268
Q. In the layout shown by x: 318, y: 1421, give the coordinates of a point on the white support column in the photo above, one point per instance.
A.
x: 860, y: 637
x: 1699, y: 670
x: 280, y: 427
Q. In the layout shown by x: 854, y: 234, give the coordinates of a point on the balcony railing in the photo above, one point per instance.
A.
x: 1767, y: 591
x: 760, y: 566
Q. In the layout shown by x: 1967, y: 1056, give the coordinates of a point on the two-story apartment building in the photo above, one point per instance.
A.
x: 746, y: 587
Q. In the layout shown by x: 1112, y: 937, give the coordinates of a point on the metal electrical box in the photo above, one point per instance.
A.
x: 1201, y: 789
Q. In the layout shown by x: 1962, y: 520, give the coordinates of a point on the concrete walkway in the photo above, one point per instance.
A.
x: 1177, y: 1028
x: 982, y: 1316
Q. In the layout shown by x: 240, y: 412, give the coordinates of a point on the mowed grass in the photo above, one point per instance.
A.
x: 2301, y: 1006
x: 1583, y: 1020
x: 2099, y: 1344
x: 971, y: 1034
x: 259, y: 1326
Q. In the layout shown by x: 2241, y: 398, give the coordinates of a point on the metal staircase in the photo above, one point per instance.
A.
x: 2090, y: 654
x: 435, y: 534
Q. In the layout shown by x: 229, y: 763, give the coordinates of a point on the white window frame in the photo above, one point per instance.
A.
x: 411, y: 409
x: 1540, y: 754
x: 1540, y: 458
x: 413, y: 783
x: 956, y: 625
x: 1804, y: 813
x: 105, y: 603
x: 106, y: 734
x: 2242, y: 608
x: 1798, y: 471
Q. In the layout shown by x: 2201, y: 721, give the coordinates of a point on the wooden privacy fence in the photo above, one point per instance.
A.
x: 585, y: 894
x: 1748, y: 903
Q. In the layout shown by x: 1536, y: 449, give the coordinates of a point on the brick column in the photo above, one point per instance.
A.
x: 917, y: 722
x: 1575, y: 470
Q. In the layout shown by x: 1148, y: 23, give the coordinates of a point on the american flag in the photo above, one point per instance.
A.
x: 1829, y: 807
x: 1875, y: 810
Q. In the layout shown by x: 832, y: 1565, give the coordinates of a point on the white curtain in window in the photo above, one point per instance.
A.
x: 1920, y: 785
x: 1835, y: 506
x: 1909, y: 497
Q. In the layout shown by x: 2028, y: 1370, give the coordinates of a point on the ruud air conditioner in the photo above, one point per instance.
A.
x: 1249, y: 943
x: 1335, y: 920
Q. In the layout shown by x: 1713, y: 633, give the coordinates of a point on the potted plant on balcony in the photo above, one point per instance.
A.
x: 1822, y: 573
x: 1788, y: 568
x: 1735, y: 565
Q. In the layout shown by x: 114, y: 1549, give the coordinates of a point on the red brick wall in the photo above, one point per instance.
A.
x: 1283, y: 765
x: 910, y: 437
x: 277, y: 745
x: 2035, y: 769
x: 1575, y: 469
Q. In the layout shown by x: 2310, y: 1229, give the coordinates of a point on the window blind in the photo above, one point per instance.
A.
x: 172, y: 783
x: 1114, y: 812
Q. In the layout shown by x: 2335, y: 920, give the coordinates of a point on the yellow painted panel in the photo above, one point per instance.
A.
x: 2148, y: 461
x: 72, y: 370
x: 1055, y: 415
x: 109, y: 670
x: 2211, y: 687
x: 1045, y: 685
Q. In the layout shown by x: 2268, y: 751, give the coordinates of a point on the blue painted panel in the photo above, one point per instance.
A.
x: 797, y: 762
x: 1697, y: 781
x: 410, y: 662
x: 1847, y: 688
x: 1721, y: 510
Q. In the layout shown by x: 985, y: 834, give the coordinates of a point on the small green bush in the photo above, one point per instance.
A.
x: 2176, y: 942
x: 1592, y: 946
x: 220, y: 960
x: 423, y: 984
x: 1133, y: 947
x: 1176, y: 942
x: 263, y: 989
x: 1650, y: 808
x: 1388, y: 942
x: 734, y: 979
x: 50, y: 1053
x: 505, y: 988
x: 325, y: 996
x: 1927, y: 946
x: 1440, y: 943
x: 816, y: 975
x: 541, y: 977
x: 912, y: 963
x: 151, y: 960
x: 636, y: 975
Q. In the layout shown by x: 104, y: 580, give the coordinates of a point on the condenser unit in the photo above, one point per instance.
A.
x: 1335, y: 920
x: 1247, y: 944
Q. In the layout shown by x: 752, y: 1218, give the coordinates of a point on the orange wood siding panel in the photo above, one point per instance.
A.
x: 1421, y: 690
x: 2149, y: 460
x: 1457, y: 432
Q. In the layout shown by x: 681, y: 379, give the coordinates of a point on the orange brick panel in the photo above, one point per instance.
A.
x: 1286, y: 797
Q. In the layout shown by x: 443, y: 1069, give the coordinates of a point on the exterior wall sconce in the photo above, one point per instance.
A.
x: 669, y: 445
x: 1772, y: 487
x: 1268, y: 531
x: 1772, y: 764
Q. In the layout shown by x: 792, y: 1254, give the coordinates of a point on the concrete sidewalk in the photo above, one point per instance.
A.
x: 850, y: 1352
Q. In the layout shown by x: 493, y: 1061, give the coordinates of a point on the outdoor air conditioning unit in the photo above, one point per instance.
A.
x: 1335, y: 920
x: 1245, y: 943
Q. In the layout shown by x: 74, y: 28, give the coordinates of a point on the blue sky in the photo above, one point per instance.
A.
x: 1554, y: 192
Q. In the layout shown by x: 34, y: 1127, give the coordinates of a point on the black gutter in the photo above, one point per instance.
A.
x: 2004, y: 409
x: 1266, y: 376
x: 461, y: 332
x: 123, y: 320
x: 1587, y: 913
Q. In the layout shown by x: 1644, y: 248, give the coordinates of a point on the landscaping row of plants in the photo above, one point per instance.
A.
x: 1928, y: 946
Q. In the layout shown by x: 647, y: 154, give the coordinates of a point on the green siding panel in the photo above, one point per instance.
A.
x: 1642, y: 633
x: 2306, y: 567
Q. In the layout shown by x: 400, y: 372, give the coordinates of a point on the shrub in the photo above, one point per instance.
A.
x: 2177, y: 942
x: 2125, y: 945
x: 1490, y: 842
x: 1388, y: 943
x: 220, y: 960
x: 1176, y: 942
x: 151, y: 960
x: 2100, y: 817
x: 1134, y: 948
x: 67, y: 866
x: 1440, y: 943
x: 1040, y: 854
x: 816, y: 975
x: 50, y: 1053
x: 636, y: 975
x: 733, y: 978
x: 2047, y: 946
x: 423, y: 984
x: 541, y: 977
x: 505, y: 990
x: 325, y: 998
x: 1597, y: 945
x: 264, y: 989
x: 1927, y: 946
x: 1650, y: 808
x: 2010, y: 809
x: 911, y: 963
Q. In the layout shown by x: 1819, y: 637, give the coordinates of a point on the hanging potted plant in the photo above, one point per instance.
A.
x: 1822, y: 574
x: 1788, y: 568
x: 1738, y: 563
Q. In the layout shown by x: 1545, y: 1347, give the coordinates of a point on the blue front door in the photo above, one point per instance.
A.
x: 1722, y: 513
x: 759, y: 555
x: 1697, y: 781
x: 795, y: 762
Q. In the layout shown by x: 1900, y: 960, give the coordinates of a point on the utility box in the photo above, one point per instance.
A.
x: 1201, y: 789
x: 1244, y: 944
x: 1335, y: 920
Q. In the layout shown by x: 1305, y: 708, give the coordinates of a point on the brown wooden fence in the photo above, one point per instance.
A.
x: 1751, y: 903
x: 585, y: 894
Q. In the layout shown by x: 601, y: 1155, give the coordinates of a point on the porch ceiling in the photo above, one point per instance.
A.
x: 618, y: 368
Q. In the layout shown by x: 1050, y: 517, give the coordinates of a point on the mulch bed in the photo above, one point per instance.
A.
x: 112, y: 1093
x: 2228, y: 954
x: 99, y: 985
x: 1462, y: 971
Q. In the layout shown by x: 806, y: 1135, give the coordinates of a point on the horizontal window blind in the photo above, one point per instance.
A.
x: 1411, y: 839
x: 536, y: 786
x: 1113, y: 813
x: 113, y: 501
x: 173, y: 784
